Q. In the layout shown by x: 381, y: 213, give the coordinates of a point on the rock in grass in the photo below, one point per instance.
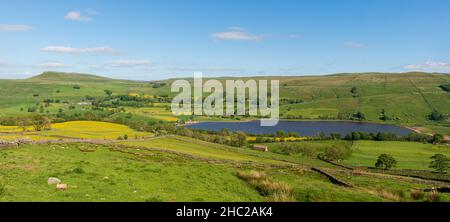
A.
x: 61, y: 187
x: 53, y: 180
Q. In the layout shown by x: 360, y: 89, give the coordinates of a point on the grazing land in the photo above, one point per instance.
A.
x: 116, y: 140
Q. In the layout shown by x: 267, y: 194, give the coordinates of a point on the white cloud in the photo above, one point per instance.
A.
x: 53, y: 65
x: 429, y: 65
x: 15, y: 28
x: 236, y: 34
x: 77, y: 16
x: 71, y: 50
x: 354, y: 45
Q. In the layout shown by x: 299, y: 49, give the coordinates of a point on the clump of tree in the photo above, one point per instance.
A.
x: 440, y: 162
x: 31, y: 109
x: 282, y: 135
x: 158, y: 84
x: 41, y: 123
x: 437, y: 116
x: 354, y: 91
x: 335, y: 153
x: 108, y: 92
x: 238, y: 139
x: 384, y: 116
x: 359, y: 116
x: 124, y: 137
x: 445, y: 87
x: 76, y: 87
x: 296, y: 148
x: 437, y: 138
x: 335, y: 136
x: 385, y: 162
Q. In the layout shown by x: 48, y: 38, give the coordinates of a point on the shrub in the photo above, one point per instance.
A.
x: 335, y: 153
x: 437, y: 116
x: 432, y: 196
x: 417, y: 194
x: 78, y: 170
x: 276, y: 191
x: 31, y: 109
x: 445, y: 87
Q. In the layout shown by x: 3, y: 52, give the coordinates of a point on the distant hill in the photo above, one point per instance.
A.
x: 61, y: 76
x: 393, y: 98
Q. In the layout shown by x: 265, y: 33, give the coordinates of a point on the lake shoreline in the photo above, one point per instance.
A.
x: 303, y: 128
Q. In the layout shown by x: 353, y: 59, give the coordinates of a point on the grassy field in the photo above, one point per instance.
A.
x: 200, y: 149
x: 408, y: 155
x: 104, y: 173
x: 175, y: 168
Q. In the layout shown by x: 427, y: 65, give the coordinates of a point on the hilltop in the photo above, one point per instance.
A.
x: 61, y: 76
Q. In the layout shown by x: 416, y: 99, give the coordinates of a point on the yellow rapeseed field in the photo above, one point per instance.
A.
x: 14, y: 129
x: 73, y: 129
x: 92, y: 130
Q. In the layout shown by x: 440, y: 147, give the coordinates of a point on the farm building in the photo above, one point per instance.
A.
x: 260, y: 148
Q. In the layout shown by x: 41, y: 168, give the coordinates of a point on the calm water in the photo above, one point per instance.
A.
x: 303, y: 128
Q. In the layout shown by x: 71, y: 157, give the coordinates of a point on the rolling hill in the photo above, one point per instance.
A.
x: 394, y: 98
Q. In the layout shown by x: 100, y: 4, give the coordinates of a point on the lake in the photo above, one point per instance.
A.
x: 303, y: 128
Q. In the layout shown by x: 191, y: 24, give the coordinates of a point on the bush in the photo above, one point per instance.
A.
x: 432, y: 196
x: 445, y: 87
x: 279, y: 192
x: 78, y: 170
x: 31, y: 109
x: 437, y: 116
x: 417, y: 194
x: 335, y: 153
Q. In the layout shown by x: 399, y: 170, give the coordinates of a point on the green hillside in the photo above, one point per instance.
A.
x: 62, y: 77
x: 165, y: 169
x: 403, y: 98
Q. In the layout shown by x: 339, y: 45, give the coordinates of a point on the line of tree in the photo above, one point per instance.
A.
x: 439, y: 162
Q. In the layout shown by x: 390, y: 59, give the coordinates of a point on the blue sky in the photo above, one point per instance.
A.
x: 148, y: 40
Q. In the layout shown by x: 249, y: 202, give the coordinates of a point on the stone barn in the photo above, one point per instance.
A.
x: 260, y: 148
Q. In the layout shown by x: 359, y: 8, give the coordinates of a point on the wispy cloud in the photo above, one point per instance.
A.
x: 205, y: 69
x: 429, y: 65
x: 72, y: 50
x: 130, y: 63
x: 52, y: 65
x: 78, y: 16
x: 353, y: 44
x: 3, y: 63
x: 139, y: 63
x: 15, y: 28
x: 236, y: 34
